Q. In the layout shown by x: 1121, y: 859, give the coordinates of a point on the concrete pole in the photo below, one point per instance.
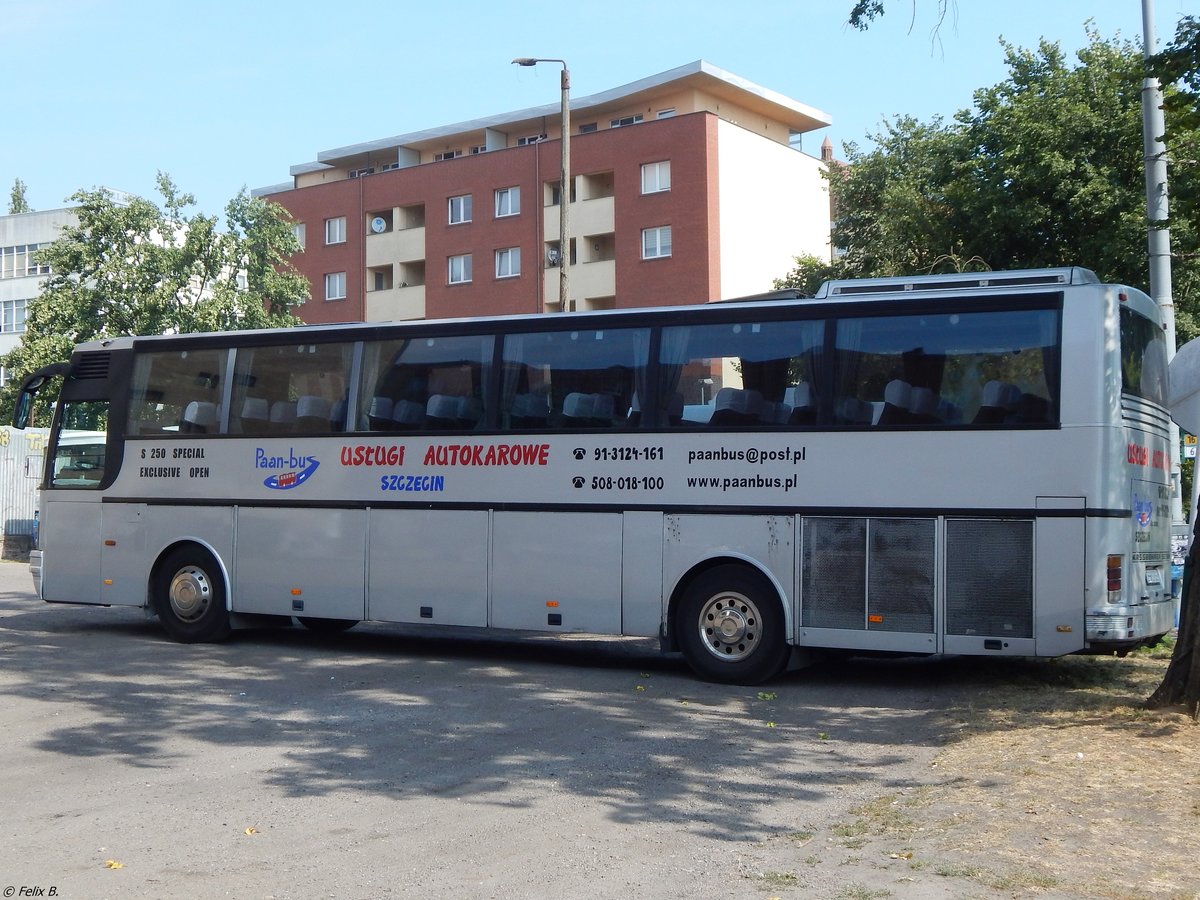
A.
x: 1159, y: 235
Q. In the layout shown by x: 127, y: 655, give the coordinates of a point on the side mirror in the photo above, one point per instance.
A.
x: 33, y: 383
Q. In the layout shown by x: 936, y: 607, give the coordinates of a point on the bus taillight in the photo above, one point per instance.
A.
x: 1114, y: 569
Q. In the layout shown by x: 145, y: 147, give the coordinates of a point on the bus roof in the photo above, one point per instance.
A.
x: 958, y: 281
x: 907, y: 286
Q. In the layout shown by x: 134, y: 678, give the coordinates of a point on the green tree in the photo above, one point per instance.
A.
x: 1178, y: 66
x: 131, y: 267
x: 809, y: 274
x: 16, y: 201
x: 864, y: 12
x: 1044, y: 170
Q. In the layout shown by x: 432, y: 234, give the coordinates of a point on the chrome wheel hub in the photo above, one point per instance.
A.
x: 190, y: 593
x: 729, y: 626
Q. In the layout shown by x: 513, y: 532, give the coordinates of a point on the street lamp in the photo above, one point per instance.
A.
x: 564, y: 198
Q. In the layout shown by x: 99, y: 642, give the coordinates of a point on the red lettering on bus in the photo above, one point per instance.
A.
x: 484, y: 455
x: 373, y: 455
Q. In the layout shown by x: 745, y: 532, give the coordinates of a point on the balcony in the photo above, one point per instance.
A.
x: 395, y: 304
x: 588, y: 280
x: 403, y: 245
x: 596, y: 216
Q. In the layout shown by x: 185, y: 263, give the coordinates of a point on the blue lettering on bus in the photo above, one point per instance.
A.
x: 413, y: 483
x: 296, y: 469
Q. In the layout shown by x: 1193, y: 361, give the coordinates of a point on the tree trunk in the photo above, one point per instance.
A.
x: 1181, y: 684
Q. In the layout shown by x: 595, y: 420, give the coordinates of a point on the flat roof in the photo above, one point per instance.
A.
x: 700, y: 74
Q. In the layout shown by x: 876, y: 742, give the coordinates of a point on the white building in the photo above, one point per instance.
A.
x: 21, y: 276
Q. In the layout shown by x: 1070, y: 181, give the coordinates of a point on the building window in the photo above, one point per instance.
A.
x: 656, y: 242
x: 298, y: 231
x: 666, y: 113
x: 656, y: 177
x: 335, y: 230
x: 335, y: 286
x: 360, y: 173
x: 12, y: 316
x: 508, y: 262
x: 460, y: 209
x: 20, y: 261
x: 460, y: 269
x: 449, y: 154
x: 508, y: 202
x: 587, y: 128
x: 530, y: 139
x: 625, y: 120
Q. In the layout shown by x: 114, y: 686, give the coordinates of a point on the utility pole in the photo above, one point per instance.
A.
x: 564, y: 191
x: 1159, y: 235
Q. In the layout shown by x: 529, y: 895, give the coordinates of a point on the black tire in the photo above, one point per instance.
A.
x: 326, y: 626
x: 189, y: 597
x: 731, y: 626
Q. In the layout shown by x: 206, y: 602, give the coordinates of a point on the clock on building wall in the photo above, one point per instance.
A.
x: 379, y: 224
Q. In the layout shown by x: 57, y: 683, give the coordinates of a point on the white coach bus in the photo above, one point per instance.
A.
x: 974, y: 464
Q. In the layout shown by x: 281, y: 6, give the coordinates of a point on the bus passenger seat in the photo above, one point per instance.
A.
x: 736, y: 407
x: 852, y: 411
x: 804, y: 410
x: 577, y: 410
x: 603, y: 410
x: 283, y: 416
x: 199, y: 417
x: 770, y: 413
x: 379, y: 413
x: 470, y: 412
x: 949, y: 413
x: 407, y: 414
x: 999, y: 399
x: 255, y: 414
x: 312, y: 413
x: 922, y: 407
x: 337, y: 416
x: 896, y: 399
x: 529, y: 411
x: 444, y: 412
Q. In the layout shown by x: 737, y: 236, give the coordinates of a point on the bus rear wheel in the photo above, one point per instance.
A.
x: 189, y: 597
x: 731, y: 626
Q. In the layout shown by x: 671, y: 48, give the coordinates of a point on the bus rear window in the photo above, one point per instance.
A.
x: 1143, y: 357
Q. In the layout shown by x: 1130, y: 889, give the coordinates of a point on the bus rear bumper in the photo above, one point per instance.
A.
x: 1130, y: 627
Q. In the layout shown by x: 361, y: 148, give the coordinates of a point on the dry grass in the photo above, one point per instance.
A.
x: 1057, y: 776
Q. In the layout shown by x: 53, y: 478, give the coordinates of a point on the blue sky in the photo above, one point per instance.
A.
x: 223, y: 94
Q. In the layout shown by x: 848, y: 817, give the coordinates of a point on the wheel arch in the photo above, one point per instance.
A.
x: 193, y: 542
x: 688, y: 577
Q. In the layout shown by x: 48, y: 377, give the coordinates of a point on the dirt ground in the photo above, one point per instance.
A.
x: 1054, y: 782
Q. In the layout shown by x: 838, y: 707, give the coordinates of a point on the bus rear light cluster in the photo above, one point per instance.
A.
x: 1114, y: 578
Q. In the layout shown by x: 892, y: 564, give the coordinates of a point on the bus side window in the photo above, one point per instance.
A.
x: 290, y: 389
x: 988, y: 368
x: 177, y: 392
x: 79, y: 450
x: 432, y: 383
x: 743, y: 374
x: 580, y: 379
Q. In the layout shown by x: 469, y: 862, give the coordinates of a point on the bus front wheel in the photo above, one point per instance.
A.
x: 731, y: 626
x: 189, y: 597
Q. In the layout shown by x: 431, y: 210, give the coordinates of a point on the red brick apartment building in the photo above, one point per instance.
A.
x: 685, y: 186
